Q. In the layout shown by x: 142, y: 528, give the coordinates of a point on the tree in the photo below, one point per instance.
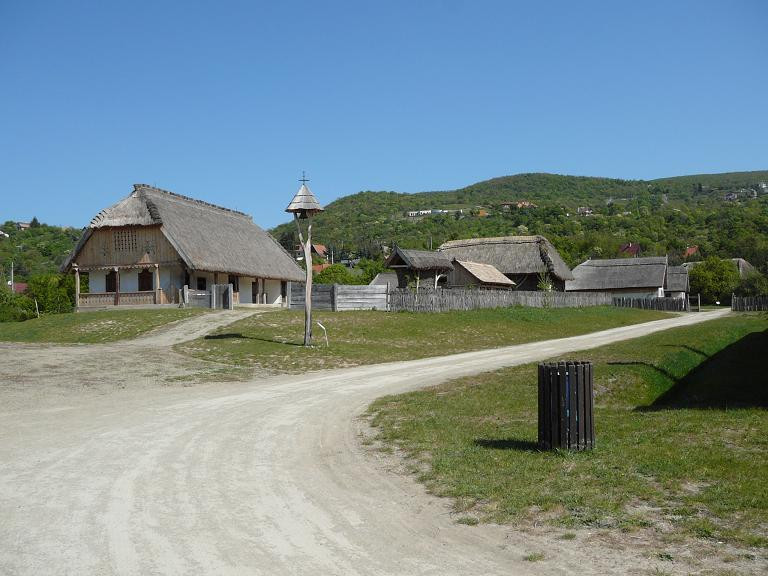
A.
x: 35, y: 223
x: 714, y: 279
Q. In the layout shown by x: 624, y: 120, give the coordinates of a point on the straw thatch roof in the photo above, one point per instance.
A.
x: 677, y: 279
x: 419, y: 260
x: 485, y: 273
x: 511, y: 255
x: 618, y: 274
x: 384, y: 278
x: 207, y: 237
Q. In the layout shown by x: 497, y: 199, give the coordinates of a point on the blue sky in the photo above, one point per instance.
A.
x: 229, y: 101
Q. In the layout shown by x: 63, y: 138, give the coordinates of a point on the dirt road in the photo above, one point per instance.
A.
x: 263, y: 477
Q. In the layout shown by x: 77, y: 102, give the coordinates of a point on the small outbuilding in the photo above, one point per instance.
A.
x: 421, y: 266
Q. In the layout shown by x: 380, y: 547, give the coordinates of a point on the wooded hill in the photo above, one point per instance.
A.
x: 39, y: 249
x: 723, y: 214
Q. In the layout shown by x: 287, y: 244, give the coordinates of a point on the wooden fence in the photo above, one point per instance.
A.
x: 749, y: 303
x: 440, y: 300
x: 662, y: 304
x: 338, y: 297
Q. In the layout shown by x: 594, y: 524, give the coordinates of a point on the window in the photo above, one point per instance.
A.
x: 145, y: 280
x: 200, y: 283
x: 125, y: 240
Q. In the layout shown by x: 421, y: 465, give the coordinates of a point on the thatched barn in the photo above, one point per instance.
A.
x: 423, y: 267
x: 146, y: 247
x: 526, y: 260
x: 648, y: 277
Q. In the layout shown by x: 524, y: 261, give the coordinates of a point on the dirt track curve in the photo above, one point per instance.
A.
x: 137, y: 477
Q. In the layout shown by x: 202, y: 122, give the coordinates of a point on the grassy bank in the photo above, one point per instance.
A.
x: 273, y: 340
x: 91, y: 327
x: 682, y: 433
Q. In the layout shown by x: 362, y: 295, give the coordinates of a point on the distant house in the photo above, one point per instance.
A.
x: 525, y: 204
x: 630, y: 249
x: 146, y: 247
x: 649, y: 277
x: 465, y: 274
x: 423, y: 267
x: 690, y: 251
x: 584, y: 211
x: 18, y: 287
x: 731, y: 197
x: 23, y: 225
x: 522, y: 259
x: 3, y: 235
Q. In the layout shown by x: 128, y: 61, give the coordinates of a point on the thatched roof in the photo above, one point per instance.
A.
x: 677, y: 279
x: 206, y: 237
x: 485, y: 273
x: 621, y: 273
x: 384, y: 278
x: 419, y: 260
x: 511, y: 255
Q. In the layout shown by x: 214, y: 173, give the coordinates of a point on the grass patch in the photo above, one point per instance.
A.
x: 682, y: 439
x: 274, y: 340
x: 92, y: 327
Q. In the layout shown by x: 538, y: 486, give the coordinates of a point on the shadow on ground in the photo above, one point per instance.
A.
x: 238, y: 336
x: 735, y: 377
x: 507, y: 444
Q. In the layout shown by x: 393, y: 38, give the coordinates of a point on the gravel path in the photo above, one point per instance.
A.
x: 263, y: 477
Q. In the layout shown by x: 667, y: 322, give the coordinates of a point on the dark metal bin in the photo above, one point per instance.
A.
x: 566, y: 406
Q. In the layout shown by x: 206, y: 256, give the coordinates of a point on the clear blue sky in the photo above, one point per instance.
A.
x: 229, y: 101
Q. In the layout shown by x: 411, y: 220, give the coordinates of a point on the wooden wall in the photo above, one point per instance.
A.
x: 144, y: 244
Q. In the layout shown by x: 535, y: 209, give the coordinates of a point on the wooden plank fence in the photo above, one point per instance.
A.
x: 339, y: 297
x: 442, y: 300
x: 662, y: 304
x: 749, y: 303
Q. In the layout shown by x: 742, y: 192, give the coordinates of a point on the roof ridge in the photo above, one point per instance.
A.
x: 146, y: 187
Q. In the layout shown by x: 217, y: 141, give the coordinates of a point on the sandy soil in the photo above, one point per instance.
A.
x: 113, y: 463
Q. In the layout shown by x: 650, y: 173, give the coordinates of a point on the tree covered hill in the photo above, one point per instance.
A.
x: 723, y: 214
x: 39, y: 249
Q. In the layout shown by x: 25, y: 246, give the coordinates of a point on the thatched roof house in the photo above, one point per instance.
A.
x: 634, y: 277
x: 522, y: 259
x: 418, y: 265
x: 155, y: 241
x: 744, y: 267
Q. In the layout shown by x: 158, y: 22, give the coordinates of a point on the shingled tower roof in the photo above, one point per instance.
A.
x: 304, y: 203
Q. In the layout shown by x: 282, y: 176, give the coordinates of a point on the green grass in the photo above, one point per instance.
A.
x: 682, y: 439
x: 91, y: 327
x: 274, y: 340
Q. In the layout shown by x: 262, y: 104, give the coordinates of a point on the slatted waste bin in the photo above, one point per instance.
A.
x: 565, y: 406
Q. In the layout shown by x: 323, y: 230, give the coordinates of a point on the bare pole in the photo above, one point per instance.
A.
x: 307, y: 247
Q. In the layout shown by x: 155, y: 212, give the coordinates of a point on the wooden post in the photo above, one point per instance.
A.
x: 77, y: 286
x: 117, y: 286
x: 307, y: 246
x: 157, y: 284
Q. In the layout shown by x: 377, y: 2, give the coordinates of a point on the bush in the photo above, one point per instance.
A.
x: 55, y: 293
x: 755, y: 284
x: 15, y: 307
x: 714, y: 279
